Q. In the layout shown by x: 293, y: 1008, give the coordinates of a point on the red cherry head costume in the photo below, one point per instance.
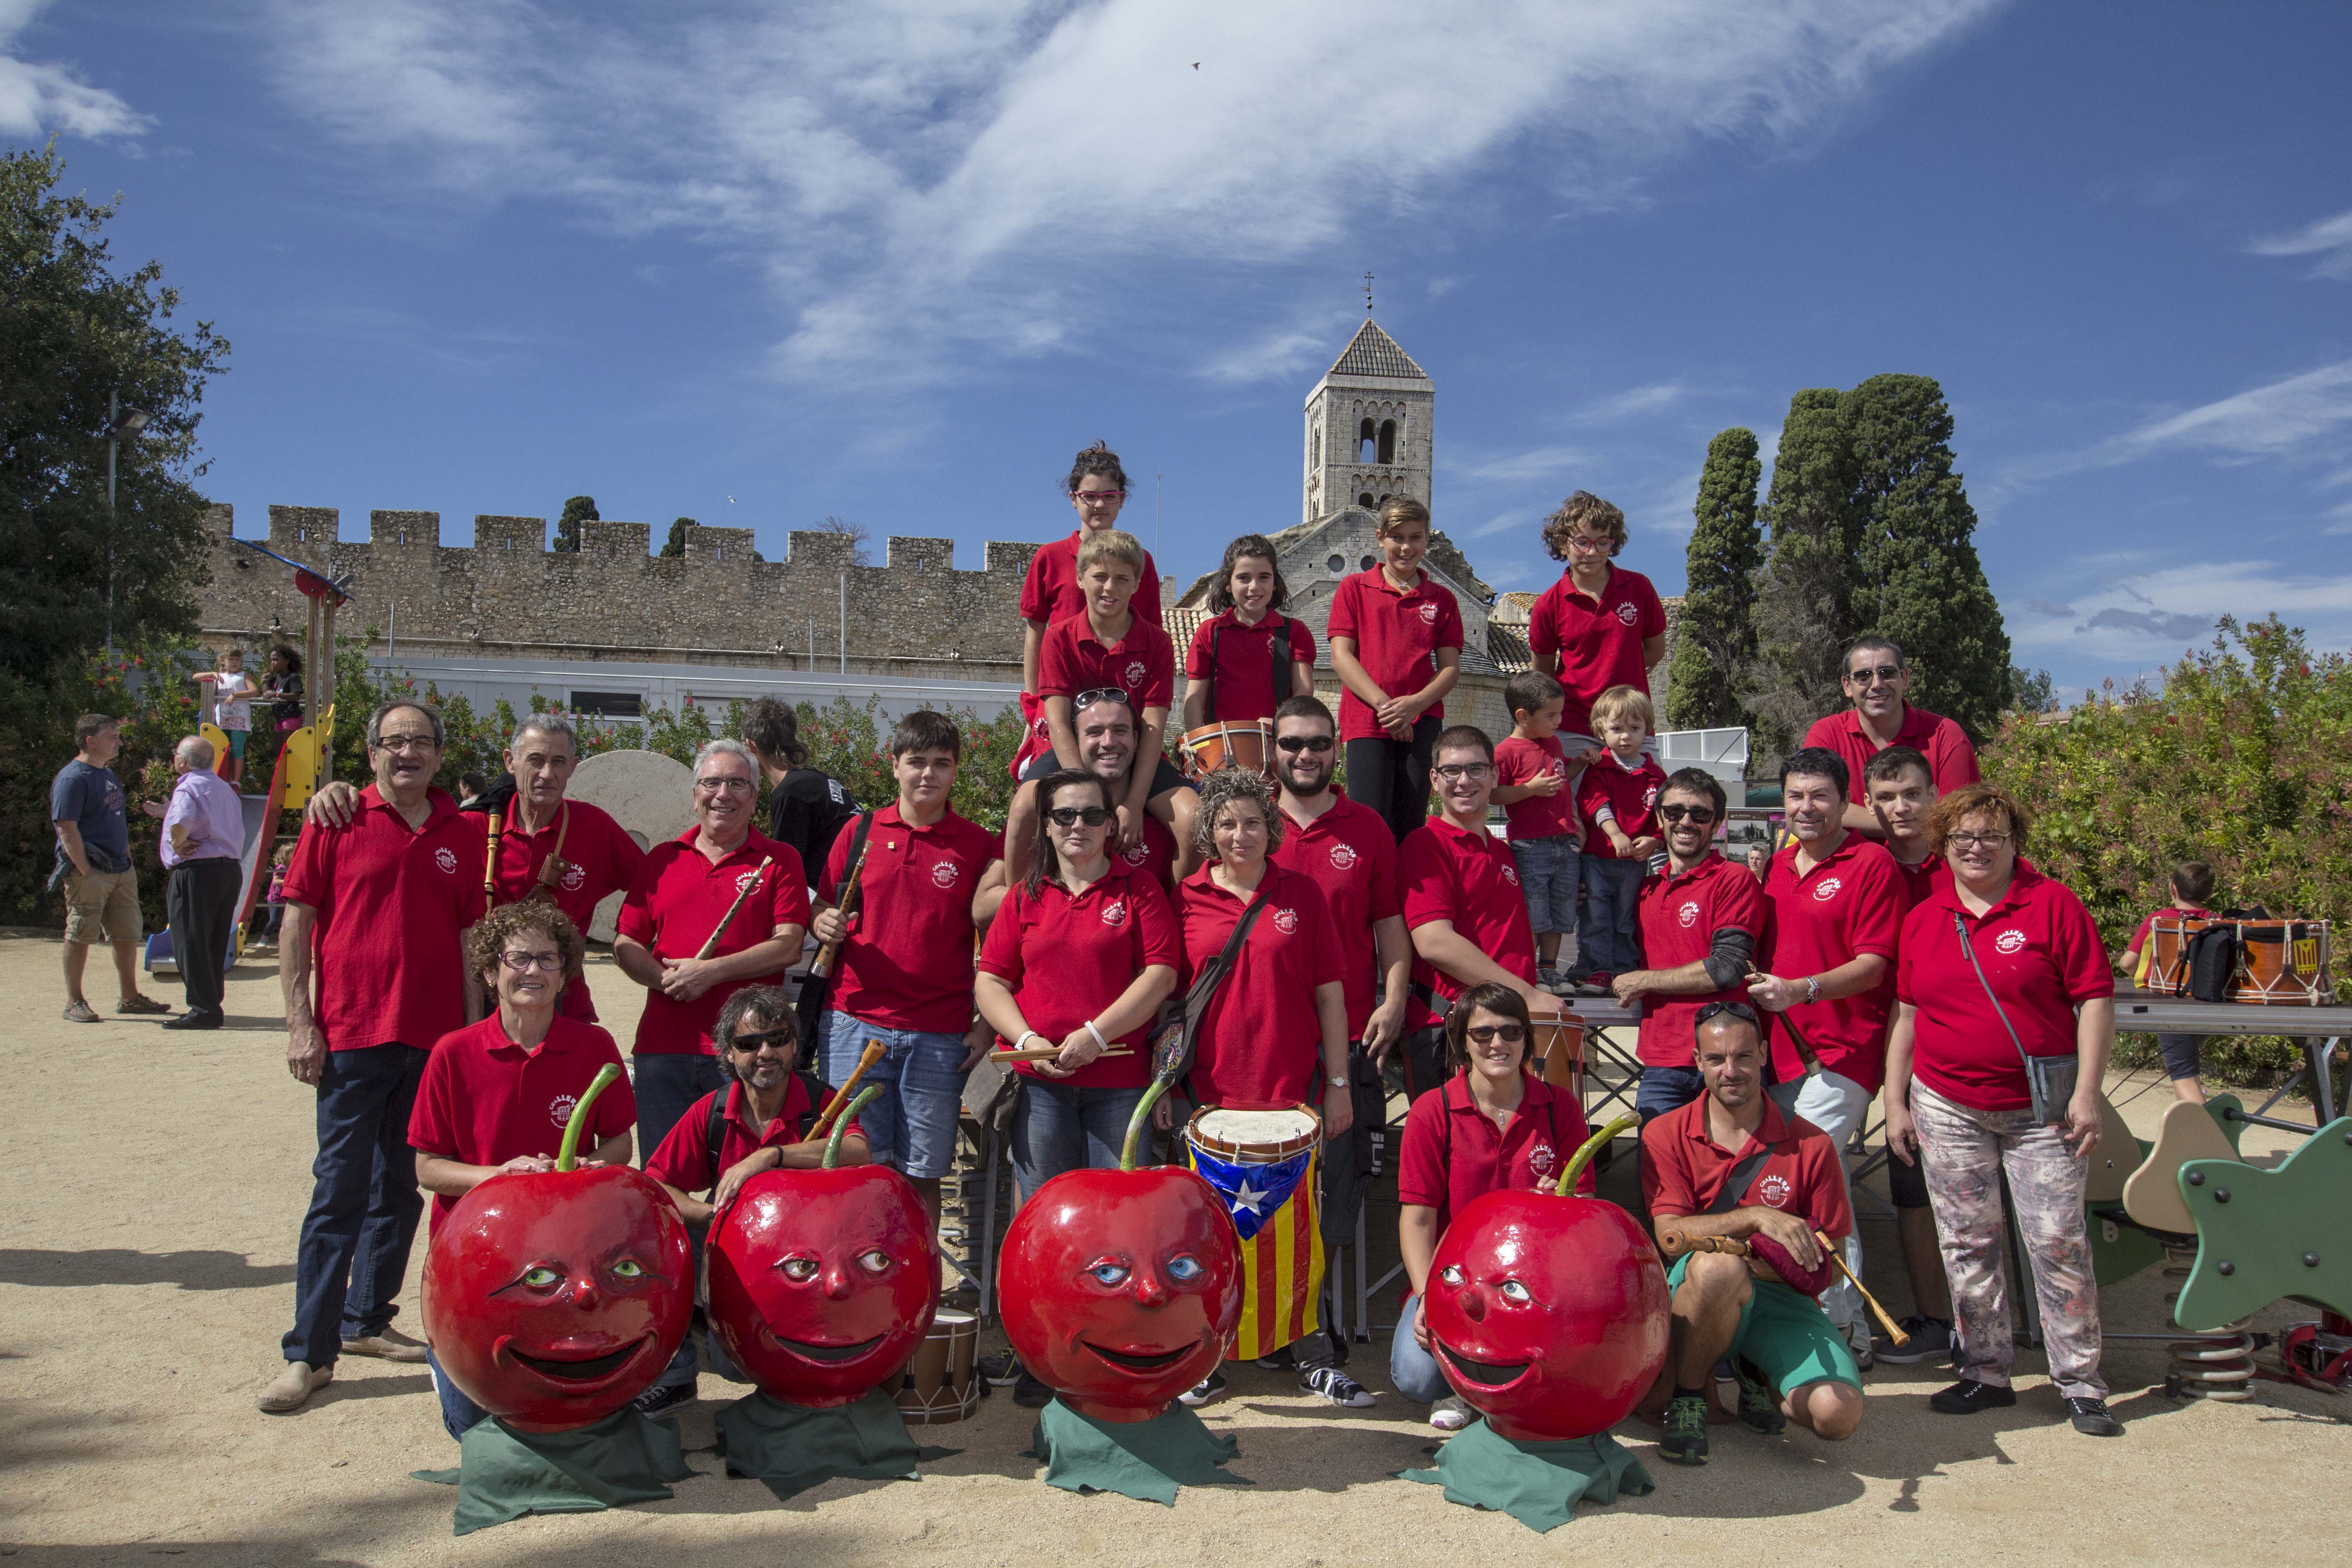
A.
x: 554, y: 1298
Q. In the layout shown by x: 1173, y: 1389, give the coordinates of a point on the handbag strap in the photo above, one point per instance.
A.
x: 1960, y: 925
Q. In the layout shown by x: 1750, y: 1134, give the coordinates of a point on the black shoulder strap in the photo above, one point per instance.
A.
x: 817, y: 1091
x: 715, y: 1131
x: 1209, y: 708
x: 1736, y: 1184
x: 1280, y: 644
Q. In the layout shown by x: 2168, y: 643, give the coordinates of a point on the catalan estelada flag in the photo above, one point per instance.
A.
x: 1273, y: 1209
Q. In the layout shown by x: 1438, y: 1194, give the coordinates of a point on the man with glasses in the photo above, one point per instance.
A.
x: 1461, y: 904
x: 1599, y: 626
x: 1701, y: 920
x: 373, y: 968
x: 496, y: 1095
x: 1876, y: 680
x: 686, y: 889
x: 1833, y: 915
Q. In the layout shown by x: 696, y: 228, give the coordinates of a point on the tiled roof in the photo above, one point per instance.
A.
x: 1507, y: 648
x: 1372, y: 352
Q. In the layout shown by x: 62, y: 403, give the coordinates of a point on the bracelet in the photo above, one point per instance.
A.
x: 1812, y: 988
x: 1100, y: 1043
x: 1029, y: 1035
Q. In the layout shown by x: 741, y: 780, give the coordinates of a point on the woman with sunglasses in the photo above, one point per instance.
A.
x: 1998, y: 965
x: 1493, y: 1126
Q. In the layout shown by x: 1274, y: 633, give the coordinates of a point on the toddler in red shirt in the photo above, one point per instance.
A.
x: 1535, y: 783
x: 1619, y: 802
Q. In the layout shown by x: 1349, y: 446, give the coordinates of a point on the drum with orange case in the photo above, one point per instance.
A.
x: 2284, y: 962
x: 1230, y: 744
x: 1556, y: 1055
x: 2167, y: 953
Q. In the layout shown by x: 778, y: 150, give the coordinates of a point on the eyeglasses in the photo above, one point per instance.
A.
x: 524, y: 962
x: 1316, y: 744
x: 1884, y: 674
x: 1456, y: 772
x: 400, y: 745
x: 1717, y: 1009
x: 1101, y: 694
x: 1099, y: 498
x: 723, y: 786
x: 1071, y: 816
x: 1976, y: 840
x: 1487, y: 1034
x: 1697, y: 815
x: 781, y: 1039
x: 1588, y: 542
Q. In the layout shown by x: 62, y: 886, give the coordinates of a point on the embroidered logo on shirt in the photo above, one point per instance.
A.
x: 446, y: 859
x: 1511, y: 875
x: 1826, y: 889
x: 1135, y: 671
x: 1541, y: 1159
x: 1429, y: 612
x: 1773, y: 1190
x: 2009, y: 942
x: 1688, y: 914
x: 575, y: 878
x: 1628, y: 614
x: 1137, y: 856
x: 943, y: 875
x: 746, y: 880
x: 1649, y: 797
x: 1343, y: 856
x: 1115, y: 913
x: 560, y: 1109
x: 1286, y: 921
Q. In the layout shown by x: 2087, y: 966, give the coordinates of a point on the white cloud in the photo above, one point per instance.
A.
x: 1278, y: 356
x: 37, y: 99
x: 2330, y: 239
x: 1525, y: 468
x: 2156, y: 614
x: 932, y: 182
x: 1626, y: 404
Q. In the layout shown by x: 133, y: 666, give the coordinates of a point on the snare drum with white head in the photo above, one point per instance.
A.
x: 1254, y: 1137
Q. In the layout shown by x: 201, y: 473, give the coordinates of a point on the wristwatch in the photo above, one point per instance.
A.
x: 1812, y: 988
x: 1337, y: 1082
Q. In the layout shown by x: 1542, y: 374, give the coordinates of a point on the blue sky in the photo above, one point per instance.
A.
x: 896, y: 262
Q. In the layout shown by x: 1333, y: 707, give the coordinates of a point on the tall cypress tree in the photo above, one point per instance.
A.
x: 1805, y: 591
x: 674, y: 547
x: 1920, y: 582
x: 1715, y: 643
x: 578, y: 509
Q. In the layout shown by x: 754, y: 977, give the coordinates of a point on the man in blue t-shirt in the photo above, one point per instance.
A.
x: 94, y: 862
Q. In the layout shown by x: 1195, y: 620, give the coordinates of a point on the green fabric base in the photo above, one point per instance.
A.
x: 503, y: 1474
x: 793, y: 1448
x: 1147, y: 1460
x: 1539, y: 1484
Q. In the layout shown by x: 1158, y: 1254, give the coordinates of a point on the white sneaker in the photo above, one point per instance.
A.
x: 1451, y: 1414
x: 1857, y: 1339
x: 292, y: 1388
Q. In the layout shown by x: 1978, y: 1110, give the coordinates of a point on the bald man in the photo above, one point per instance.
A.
x: 203, y: 843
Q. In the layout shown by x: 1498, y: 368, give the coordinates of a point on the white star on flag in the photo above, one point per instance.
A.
x: 1246, y: 1198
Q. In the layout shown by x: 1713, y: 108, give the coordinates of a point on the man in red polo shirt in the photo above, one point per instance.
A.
x: 1833, y: 916
x: 1396, y: 646
x: 496, y: 1095
x: 377, y: 910
x: 1730, y: 1163
x: 1876, y: 680
x: 1702, y: 922
x: 904, y: 974
x: 682, y: 893
x: 1461, y: 903
x: 1599, y: 626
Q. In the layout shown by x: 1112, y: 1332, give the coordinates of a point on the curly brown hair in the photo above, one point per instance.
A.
x: 487, y: 940
x: 1949, y: 811
x: 1224, y: 787
x: 1578, y: 512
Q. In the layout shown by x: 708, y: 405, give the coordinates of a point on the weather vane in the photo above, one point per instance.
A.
x: 1368, y: 293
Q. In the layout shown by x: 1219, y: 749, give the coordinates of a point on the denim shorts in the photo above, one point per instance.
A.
x: 911, y: 1127
x: 1549, y: 878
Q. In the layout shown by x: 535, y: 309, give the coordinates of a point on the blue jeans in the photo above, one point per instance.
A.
x: 1059, y: 1127
x: 666, y: 1087
x: 1413, y: 1371
x: 1549, y: 879
x: 458, y: 1413
x: 1606, y: 942
x: 912, y: 1126
x: 364, y: 1205
x: 689, y: 1359
x: 1665, y: 1088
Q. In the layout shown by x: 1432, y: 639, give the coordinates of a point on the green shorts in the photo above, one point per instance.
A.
x: 1790, y: 1339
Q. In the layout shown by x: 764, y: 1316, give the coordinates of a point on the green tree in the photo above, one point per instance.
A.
x: 1920, y: 582
x: 2031, y: 691
x: 577, y: 510
x: 1805, y: 590
x: 1715, y: 642
x: 674, y: 547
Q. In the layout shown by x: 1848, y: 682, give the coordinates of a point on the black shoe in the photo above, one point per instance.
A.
x: 1968, y: 1396
x: 1002, y: 1370
x: 1210, y: 1388
x: 1030, y: 1392
x: 1283, y: 1360
x: 1685, y: 1440
x: 656, y: 1401
x: 2092, y: 1420
x: 192, y: 1019
x: 1329, y: 1383
x: 1931, y: 1339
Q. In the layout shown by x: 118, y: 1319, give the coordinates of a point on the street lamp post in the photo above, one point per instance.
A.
x: 120, y: 423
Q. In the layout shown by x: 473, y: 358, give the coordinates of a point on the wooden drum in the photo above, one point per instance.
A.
x: 2167, y: 953
x: 2284, y: 964
x: 1556, y: 1055
x: 1230, y: 744
x: 940, y: 1384
x: 1254, y: 1137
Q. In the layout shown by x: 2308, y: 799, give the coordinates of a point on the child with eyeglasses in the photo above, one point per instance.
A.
x: 1535, y: 783
x: 1618, y: 801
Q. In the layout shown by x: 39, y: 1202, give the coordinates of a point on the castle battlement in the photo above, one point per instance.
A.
x: 509, y: 589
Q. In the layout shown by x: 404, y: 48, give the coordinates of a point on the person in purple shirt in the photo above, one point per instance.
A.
x: 204, y: 845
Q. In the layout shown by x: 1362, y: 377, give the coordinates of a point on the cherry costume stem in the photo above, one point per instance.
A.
x: 1586, y: 1150
x: 1133, y: 1148
x: 565, y: 1153
x: 833, y: 1144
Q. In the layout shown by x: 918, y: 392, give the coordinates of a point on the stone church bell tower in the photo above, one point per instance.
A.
x: 1368, y: 428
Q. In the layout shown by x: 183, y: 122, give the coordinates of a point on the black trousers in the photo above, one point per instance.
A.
x: 1392, y: 776
x: 201, y: 900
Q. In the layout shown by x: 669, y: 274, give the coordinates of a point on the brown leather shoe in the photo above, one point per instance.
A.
x: 79, y: 1011
x: 292, y: 1388
x: 138, y: 1004
x: 388, y: 1343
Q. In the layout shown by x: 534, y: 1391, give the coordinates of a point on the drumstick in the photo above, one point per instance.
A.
x: 1894, y: 1329
x: 1046, y: 1053
x: 711, y: 946
x: 875, y: 1051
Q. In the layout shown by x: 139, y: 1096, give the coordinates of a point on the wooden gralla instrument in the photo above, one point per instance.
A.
x: 710, y: 946
x: 490, y: 859
x: 1675, y: 1242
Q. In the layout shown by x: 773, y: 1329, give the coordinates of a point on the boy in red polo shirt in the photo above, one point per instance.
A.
x: 1535, y: 783
x: 1396, y: 645
x: 1618, y: 799
x: 1876, y: 681
x: 1599, y: 626
x: 496, y: 1097
x: 1247, y: 657
x: 1731, y: 1164
x: 2192, y: 892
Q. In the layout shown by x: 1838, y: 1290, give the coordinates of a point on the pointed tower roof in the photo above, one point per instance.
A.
x: 1372, y: 352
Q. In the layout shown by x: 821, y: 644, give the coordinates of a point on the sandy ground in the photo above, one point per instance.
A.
x: 146, y: 1267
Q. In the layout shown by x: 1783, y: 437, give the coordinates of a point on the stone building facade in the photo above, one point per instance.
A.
x: 1370, y: 428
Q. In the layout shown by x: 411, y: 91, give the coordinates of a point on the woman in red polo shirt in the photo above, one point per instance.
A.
x: 1248, y: 655
x: 1492, y: 1125
x: 1998, y: 965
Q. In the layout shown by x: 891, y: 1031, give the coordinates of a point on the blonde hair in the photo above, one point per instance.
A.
x: 1398, y: 510
x: 1112, y: 544
x: 1624, y: 703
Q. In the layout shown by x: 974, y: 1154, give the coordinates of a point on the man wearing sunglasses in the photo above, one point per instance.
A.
x: 1876, y: 681
x: 1701, y: 920
x: 1106, y: 734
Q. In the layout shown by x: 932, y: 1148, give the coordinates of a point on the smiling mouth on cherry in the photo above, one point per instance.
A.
x: 1154, y: 1361
x: 575, y: 1371
x: 808, y: 1352
x: 1488, y: 1374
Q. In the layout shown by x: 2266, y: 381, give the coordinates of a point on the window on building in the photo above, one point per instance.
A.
x: 1366, y: 500
x: 1367, y: 441
x: 1369, y: 562
x: 608, y: 704
x: 1338, y: 562
x: 1388, y: 440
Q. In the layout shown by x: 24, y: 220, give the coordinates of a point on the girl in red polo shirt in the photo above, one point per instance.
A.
x: 1396, y: 643
x: 1248, y: 655
x: 1494, y: 1125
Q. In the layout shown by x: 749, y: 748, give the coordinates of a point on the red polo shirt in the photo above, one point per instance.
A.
x: 1682, y: 1168
x: 485, y: 1099
x: 1241, y: 682
x: 1050, y: 592
x: 603, y: 860
x: 1599, y: 640
x: 1453, y: 874
x: 1920, y: 881
x: 1142, y: 663
x: 1349, y: 853
x: 907, y: 964
x: 679, y: 900
x: 1850, y: 904
x: 1454, y: 1154
x: 391, y: 901
x: 1519, y: 759
x: 2040, y: 953
x: 1396, y: 635
x: 1260, y: 1045
x: 1154, y: 854
x: 683, y: 1160
x: 1680, y: 913
x: 1950, y: 756
x: 1630, y: 794
x: 1066, y: 956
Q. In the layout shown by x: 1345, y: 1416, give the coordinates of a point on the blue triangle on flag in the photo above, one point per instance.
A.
x: 1252, y: 1194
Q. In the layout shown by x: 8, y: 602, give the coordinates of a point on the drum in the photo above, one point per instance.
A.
x: 939, y: 1385
x: 2167, y: 953
x: 1254, y: 1137
x: 1556, y: 1055
x: 1230, y: 744
x: 2284, y: 964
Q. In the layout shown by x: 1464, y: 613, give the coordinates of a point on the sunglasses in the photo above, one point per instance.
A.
x: 1882, y: 674
x: 1101, y: 694
x: 782, y: 1040
x: 1700, y: 815
x: 1487, y: 1034
x: 1071, y: 816
x: 1717, y: 1009
x: 1296, y: 743
x: 1099, y: 498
